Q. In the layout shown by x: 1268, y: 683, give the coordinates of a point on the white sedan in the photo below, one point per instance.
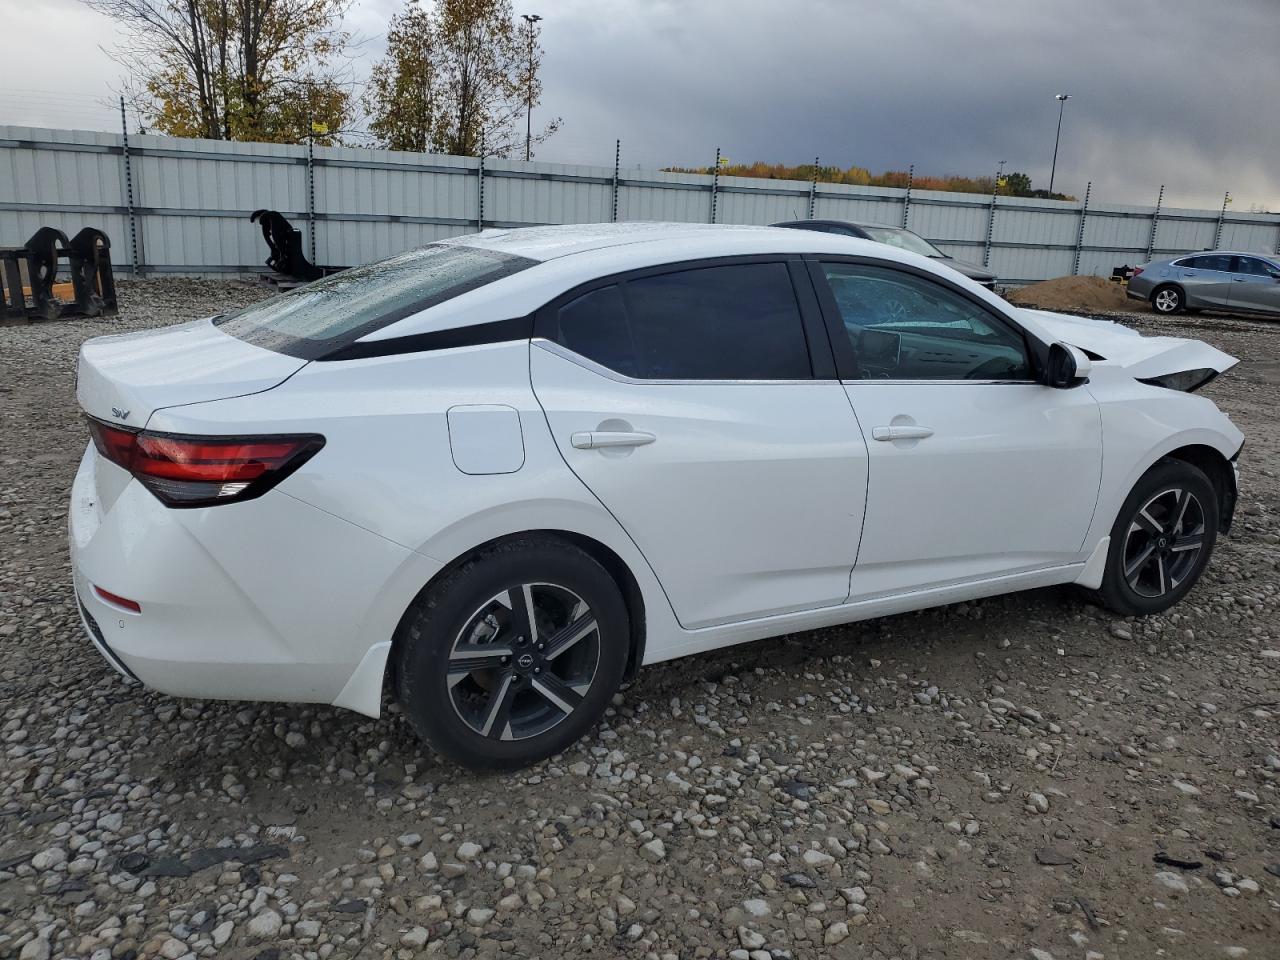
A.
x: 497, y: 474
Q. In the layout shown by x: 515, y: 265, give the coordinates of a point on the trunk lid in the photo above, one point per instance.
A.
x: 125, y: 378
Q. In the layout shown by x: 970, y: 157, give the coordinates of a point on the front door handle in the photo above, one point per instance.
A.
x: 901, y: 433
x: 595, y: 439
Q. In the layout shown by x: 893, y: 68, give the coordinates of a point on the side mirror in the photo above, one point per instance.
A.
x: 1067, y: 367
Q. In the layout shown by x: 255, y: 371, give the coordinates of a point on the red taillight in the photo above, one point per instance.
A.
x: 112, y: 442
x: 185, y: 471
x: 122, y: 602
x: 1136, y: 271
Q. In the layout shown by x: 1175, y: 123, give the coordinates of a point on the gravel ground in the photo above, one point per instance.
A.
x: 1027, y: 776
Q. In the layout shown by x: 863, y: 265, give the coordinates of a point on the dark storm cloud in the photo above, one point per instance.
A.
x: 1173, y: 92
x: 1180, y: 92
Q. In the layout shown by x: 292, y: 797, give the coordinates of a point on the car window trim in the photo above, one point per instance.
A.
x: 817, y: 347
x: 846, y: 362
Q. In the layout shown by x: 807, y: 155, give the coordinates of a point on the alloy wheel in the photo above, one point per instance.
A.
x: 523, y: 662
x: 1164, y: 542
x: 1167, y: 301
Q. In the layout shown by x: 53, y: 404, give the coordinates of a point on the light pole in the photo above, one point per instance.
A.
x: 530, y: 19
x: 1062, y: 99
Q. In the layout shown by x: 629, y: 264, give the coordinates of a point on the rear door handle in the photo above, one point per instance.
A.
x: 901, y: 433
x: 595, y: 439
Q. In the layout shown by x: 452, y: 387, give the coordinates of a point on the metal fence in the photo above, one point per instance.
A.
x: 182, y: 206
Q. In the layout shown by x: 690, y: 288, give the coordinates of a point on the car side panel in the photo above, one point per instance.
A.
x: 387, y: 464
x: 1142, y: 423
x: 265, y: 599
x: 1204, y: 288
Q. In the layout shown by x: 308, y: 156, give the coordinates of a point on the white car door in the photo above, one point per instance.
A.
x: 976, y: 469
x: 686, y: 399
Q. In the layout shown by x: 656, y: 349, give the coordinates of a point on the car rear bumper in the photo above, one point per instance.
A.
x: 270, y: 599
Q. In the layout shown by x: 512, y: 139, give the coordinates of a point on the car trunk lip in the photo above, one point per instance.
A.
x: 125, y: 378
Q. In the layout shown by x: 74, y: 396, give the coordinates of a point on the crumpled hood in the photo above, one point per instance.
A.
x: 1141, y: 356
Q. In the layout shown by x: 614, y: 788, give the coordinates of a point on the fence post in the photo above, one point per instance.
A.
x: 1155, y: 222
x: 1084, y: 212
x: 128, y: 190
x: 311, y: 188
x: 1277, y: 240
x: 991, y: 223
x: 480, y: 190
x: 1222, y: 215
x: 715, y: 185
x: 617, y: 161
x: 813, y: 188
x: 906, y: 200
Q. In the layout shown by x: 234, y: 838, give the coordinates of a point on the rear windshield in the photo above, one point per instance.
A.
x: 903, y: 239
x: 313, y: 321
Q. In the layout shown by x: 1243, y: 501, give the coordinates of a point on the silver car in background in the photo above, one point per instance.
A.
x: 1213, y: 280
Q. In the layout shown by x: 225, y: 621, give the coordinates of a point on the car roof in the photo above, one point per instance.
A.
x: 565, y: 240
x: 1224, y: 253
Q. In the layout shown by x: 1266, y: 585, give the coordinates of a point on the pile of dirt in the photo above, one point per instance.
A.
x: 1086, y: 294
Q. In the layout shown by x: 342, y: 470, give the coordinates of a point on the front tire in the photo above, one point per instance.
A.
x: 513, y: 656
x: 1168, y: 299
x: 1162, y: 540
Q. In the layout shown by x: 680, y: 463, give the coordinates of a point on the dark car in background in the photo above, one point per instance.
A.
x: 1213, y: 280
x: 896, y: 237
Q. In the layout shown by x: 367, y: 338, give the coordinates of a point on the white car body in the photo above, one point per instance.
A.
x: 761, y: 508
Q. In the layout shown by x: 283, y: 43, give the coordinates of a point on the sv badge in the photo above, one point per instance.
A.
x: 122, y: 414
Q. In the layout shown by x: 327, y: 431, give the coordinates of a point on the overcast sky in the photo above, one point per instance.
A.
x: 1180, y: 92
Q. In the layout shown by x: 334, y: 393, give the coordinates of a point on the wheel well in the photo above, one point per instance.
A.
x: 1220, y: 473
x: 613, y: 564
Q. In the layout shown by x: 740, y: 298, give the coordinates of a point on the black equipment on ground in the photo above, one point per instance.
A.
x: 285, y: 242
x: 29, y: 285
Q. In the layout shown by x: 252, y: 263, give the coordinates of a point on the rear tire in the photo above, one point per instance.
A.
x: 1162, y: 540
x: 1168, y: 299
x: 513, y: 656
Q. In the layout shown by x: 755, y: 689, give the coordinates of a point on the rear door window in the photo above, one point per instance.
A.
x: 1212, y: 262
x: 595, y: 326
x: 334, y: 312
x: 725, y: 322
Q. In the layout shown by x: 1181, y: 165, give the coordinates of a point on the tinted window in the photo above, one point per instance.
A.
x: 735, y: 322
x: 1215, y: 262
x: 1253, y: 265
x: 334, y: 312
x: 595, y: 326
x: 905, y: 327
